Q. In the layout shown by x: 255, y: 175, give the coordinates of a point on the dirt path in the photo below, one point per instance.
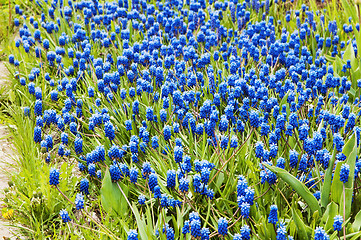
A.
x: 6, y: 158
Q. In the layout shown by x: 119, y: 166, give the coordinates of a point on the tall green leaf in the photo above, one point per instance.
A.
x: 326, y: 189
x: 350, y: 151
x: 300, y: 225
x: 111, y: 198
x: 329, y: 214
x: 298, y: 186
x: 356, y: 225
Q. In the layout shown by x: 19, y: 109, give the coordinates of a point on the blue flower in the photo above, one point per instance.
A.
x: 167, y: 132
x: 163, y: 115
x: 344, y: 172
x: 170, y: 233
x: 195, y: 228
x: 186, y: 227
x: 281, y: 163
x: 293, y: 155
x: 320, y: 234
x: 155, y: 143
x: 205, y: 234
x: 149, y: 114
x: 141, y: 199
x: 273, y: 216
x: 115, y: 173
x: 338, y: 141
x: 245, y: 232
x: 132, y: 235
x: 223, y: 124
x: 222, y: 226
x: 205, y: 173
x: 38, y: 109
x: 79, y: 201
x: 109, y: 130
x: 37, y: 134
x: 317, y: 195
x: 171, y: 176
x: 64, y: 216
x: 153, y: 181
x: 249, y: 195
x: 224, y: 142
x: 245, y: 207
x: 133, y: 175
x: 303, y: 163
x: 254, y: 119
x: 128, y: 125
x: 178, y: 154
x: 337, y: 223
x: 281, y: 232
x: 84, y: 186
x: 183, y: 184
x: 78, y: 145
x: 54, y: 177
x: 265, y: 129
x: 303, y: 132
x: 237, y: 236
x: 241, y: 185
x: 54, y: 95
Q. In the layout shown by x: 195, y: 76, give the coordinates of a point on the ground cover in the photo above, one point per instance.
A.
x: 180, y: 120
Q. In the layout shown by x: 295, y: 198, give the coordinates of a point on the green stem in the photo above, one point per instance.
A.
x: 344, y: 212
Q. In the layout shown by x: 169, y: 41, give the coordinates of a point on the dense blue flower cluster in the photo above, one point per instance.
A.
x: 320, y: 234
x: 54, y: 177
x: 344, y: 172
x: 337, y: 223
x: 173, y: 97
x: 79, y: 201
x: 132, y: 235
x: 64, y: 216
x: 222, y: 226
x: 273, y: 215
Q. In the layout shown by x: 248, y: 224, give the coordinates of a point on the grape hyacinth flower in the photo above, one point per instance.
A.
x: 320, y: 234
x: 273, y: 216
x: 84, y: 186
x: 132, y: 235
x: 222, y: 226
x: 344, y: 172
x: 337, y: 223
x: 79, y: 201
x: 141, y: 199
x: 245, y: 232
x: 54, y: 177
x: 64, y: 216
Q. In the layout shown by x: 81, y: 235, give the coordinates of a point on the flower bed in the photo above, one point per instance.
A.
x: 193, y: 119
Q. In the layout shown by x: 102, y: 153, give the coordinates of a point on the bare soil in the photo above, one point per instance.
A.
x: 6, y: 161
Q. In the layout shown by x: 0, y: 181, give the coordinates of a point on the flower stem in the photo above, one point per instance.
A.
x: 344, y: 212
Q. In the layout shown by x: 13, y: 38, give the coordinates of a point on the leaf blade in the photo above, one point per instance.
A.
x: 299, y: 187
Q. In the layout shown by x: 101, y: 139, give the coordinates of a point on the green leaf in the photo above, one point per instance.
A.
x: 357, y: 223
x: 356, y: 75
x: 329, y: 214
x: 349, y: 53
x: 350, y: 151
x: 300, y: 225
x: 326, y: 189
x: 358, y: 39
x: 140, y: 223
x: 111, y: 198
x: 355, y: 236
x: 298, y: 186
x: 12, y: 96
